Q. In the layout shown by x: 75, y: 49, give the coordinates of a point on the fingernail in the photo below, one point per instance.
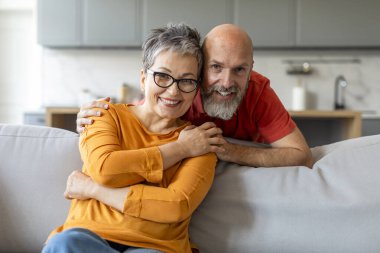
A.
x: 97, y: 113
x: 105, y: 106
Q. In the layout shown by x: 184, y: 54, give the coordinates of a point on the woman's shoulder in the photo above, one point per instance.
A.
x: 114, y: 113
x: 118, y: 109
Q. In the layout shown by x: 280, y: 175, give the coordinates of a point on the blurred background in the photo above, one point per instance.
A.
x: 319, y: 55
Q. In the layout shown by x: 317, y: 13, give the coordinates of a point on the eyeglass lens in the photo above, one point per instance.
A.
x: 165, y: 80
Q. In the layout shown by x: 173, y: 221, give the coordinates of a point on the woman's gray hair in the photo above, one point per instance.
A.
x: 179, y: 38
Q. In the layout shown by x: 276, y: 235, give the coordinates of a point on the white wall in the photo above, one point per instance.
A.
x: 66, y: 72
x: 20, y: 87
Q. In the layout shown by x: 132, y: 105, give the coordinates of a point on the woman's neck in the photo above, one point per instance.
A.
x: 154, y: 123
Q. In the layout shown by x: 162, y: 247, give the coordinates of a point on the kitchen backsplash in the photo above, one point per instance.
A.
x: 66, y: 73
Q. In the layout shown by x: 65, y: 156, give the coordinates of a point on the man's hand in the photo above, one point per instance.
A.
x: 192, y: 141
x: 88, y: 110
x: 200, y: 140
x: 79, y: 186
x: 291, y: 150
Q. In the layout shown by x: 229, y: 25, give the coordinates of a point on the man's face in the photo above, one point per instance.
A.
x: 225, y: 78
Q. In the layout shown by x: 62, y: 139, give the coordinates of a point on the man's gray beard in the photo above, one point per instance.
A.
x: 221, y: 109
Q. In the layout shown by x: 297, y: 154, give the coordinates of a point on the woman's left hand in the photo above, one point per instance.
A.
x: 79, y: 186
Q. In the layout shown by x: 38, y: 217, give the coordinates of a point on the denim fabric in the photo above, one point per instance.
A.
x: 80, y: 240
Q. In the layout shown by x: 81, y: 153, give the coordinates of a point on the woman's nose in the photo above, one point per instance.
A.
x: 173, y: 89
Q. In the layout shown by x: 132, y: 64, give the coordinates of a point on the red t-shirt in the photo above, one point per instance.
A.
x: 261, y: 117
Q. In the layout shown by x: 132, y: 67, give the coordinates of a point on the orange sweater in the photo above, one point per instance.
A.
x: 117, y: 151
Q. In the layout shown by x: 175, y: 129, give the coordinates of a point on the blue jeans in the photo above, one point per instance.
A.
x: 80, y: 240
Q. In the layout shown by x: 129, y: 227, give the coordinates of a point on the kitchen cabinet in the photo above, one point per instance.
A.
x: 62, y: 117
x: 59, y: 22
x: 371, y: 126
x: 338, y: 23
x: 34, y: 118
x: 203, y: 15
x: 310, y: 23
x: 270, y: 23
x: 89, y: 23
x: 323, y: 127
x: 111, y: 23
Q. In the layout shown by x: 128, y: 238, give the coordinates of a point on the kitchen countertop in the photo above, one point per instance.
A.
x: 351, y: 120
x: 370, y: 116
x: 325, y: 113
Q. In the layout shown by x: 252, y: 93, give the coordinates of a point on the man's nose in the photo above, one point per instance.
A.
x: 226, y: 79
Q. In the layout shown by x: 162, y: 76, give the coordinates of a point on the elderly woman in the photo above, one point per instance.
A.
x: 135, y: 194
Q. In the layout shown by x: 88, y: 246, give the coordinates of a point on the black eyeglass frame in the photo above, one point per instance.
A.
x: 174, y: 80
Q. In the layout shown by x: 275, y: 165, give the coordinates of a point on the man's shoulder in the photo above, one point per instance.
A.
x: 257, y: 78
x: 257, y: 85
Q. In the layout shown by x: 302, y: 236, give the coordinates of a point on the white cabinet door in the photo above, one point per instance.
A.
x: 59, y: 22
x: 111, y: 23
x: 203, y: 15
x: 343, y: 23
x: 270, y: 23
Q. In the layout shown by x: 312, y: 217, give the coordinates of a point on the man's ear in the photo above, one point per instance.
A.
x: 142, y: 80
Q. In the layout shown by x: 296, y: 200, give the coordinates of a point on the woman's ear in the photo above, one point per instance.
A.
x: 142, y: 80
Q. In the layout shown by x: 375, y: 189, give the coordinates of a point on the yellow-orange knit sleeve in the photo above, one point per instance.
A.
x: 178, y: 201
x: 110, y: 165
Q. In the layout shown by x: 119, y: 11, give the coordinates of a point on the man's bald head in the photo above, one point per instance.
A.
x: 229, y: 36
x: 228, y: 61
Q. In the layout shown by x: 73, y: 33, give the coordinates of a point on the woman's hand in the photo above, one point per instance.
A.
x: 200, y: 140
x: 79, y: 186
x: 82, y: 187
x: 88, y: 110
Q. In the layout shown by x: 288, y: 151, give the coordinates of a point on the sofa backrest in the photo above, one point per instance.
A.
x: 35, y: 162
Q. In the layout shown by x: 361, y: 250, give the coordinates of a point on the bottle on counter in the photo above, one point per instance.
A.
x: 299, y: 96
x: 123, y: 94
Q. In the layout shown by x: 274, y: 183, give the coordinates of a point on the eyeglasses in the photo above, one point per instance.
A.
x: 164, y: 80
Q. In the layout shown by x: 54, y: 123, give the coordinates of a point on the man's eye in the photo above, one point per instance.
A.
x: 240, y: 70
x: 216, y: 67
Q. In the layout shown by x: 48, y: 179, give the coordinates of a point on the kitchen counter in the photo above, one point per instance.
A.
x: 323, y: 126
x: 62, y: 117
x: 318, y: 126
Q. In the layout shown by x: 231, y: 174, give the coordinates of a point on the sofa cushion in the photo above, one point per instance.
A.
x: 35, y: 162
x: 335, y: 207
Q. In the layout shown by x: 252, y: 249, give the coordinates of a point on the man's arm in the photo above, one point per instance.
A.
x: 290, y: 150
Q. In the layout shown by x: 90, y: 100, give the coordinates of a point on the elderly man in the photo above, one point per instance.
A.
x: 241, y: 102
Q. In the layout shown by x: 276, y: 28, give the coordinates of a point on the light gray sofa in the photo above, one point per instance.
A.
x: 333, y: 208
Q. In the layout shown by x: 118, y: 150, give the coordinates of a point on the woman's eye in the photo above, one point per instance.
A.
x: 186, y: 81
x: 163, y: 76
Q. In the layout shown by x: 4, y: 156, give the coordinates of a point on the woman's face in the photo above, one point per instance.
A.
x: 170, y: 103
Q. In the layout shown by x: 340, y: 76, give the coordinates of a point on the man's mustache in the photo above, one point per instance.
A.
x: 220, y: 88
